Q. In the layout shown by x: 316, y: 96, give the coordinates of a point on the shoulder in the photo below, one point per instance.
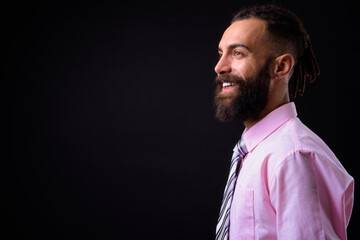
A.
x: 294, y: 146
x: 304, y: 154
x: 294, y: 137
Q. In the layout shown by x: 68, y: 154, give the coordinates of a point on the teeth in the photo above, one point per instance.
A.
x: 227, y: 84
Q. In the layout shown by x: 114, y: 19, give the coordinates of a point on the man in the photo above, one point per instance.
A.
x: 284, y: 182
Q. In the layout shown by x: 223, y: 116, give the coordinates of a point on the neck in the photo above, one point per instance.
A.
x: 270, y: 106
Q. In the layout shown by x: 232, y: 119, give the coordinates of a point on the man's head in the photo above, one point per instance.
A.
x: 259, y: 52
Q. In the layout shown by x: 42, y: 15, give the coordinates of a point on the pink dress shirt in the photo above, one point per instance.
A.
x: 291, y: 185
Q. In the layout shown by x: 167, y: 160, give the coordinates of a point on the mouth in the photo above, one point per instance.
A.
x: 228, y: 87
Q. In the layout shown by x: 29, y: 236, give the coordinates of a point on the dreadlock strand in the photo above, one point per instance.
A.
x: 308, y: 68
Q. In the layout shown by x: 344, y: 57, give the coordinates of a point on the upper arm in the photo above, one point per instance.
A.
x: 311, y: 197
x: 293, y: 194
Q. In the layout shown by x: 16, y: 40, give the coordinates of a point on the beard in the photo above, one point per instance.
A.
x: 247, y: 99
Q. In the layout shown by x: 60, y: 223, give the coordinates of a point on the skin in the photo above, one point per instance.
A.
x: 243, y: 49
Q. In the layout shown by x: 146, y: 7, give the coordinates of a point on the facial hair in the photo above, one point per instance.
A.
x: 247, y: 100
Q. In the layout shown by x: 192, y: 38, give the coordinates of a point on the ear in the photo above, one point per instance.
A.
x: 283, y: 66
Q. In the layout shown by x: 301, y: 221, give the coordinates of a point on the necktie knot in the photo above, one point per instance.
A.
x: 240, y: 148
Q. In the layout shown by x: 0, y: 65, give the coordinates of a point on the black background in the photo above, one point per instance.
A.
x: 107, y: 116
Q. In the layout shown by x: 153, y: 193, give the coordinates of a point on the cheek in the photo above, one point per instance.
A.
x: 244, y: 69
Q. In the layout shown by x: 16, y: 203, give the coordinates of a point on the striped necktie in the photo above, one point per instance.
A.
x: 223, y: 224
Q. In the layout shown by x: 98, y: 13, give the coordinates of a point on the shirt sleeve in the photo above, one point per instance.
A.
x: 312, y: 198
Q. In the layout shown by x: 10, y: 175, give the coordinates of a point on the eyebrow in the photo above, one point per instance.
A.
x: 235, y: 45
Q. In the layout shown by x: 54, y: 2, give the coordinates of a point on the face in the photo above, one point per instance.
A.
x: 243, y: 78
x: 237, y: 99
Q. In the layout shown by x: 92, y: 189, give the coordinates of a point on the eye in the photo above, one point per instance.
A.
x: 220, y: 55
x: 238, y: 53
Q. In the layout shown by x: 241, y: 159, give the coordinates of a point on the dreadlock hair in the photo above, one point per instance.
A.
x: 289, y: 36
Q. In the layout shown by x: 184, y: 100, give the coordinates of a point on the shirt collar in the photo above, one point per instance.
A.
x: 268, y: 124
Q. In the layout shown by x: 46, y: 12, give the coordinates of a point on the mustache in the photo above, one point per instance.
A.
x: 220, y: 79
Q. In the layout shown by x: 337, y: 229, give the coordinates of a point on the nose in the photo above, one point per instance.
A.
x: 223, y: 66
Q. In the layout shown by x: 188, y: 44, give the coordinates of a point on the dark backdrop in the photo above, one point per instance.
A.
x: 107, y: 117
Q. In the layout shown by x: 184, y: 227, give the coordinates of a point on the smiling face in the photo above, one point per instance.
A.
x: 243, y: 78
x: 243, y: 48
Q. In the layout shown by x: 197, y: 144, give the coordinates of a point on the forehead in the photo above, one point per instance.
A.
x: 249, y: 32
